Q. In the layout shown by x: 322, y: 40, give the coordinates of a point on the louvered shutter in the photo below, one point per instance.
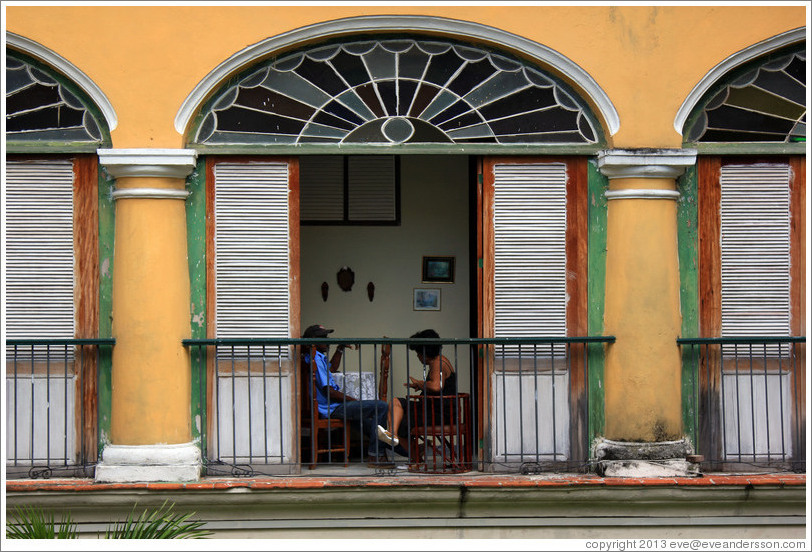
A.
x: 39, y: 250
x: 371, y: 189
x: 367, y: 184
x: 251, y: 241
x: 755, y: 246
x: 321, y: 186
x: 530, y: 222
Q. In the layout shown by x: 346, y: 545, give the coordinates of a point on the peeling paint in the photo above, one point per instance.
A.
x: 688, y: 250
x: 596, y: 293
x: 107, y: 230
x: 196, y: 257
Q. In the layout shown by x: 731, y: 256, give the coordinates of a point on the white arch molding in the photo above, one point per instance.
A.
x: 406, y: 23
x: 739, y: 58
x: 51, y: 58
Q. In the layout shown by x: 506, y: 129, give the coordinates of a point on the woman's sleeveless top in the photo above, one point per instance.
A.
x: 449, y: 384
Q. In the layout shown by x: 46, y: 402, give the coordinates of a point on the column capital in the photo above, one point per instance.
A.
x: 144, y: 162
x: 645, y: 162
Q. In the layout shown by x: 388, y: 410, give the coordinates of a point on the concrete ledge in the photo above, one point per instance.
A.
x: 148, y: 463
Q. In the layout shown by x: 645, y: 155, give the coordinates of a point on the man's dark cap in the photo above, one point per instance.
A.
x: 316, y: 330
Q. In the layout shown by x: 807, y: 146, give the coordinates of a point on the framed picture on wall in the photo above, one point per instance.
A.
x: 438, y: 270
x: 426, y: 299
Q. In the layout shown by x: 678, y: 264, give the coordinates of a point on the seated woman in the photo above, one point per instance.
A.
x: 440, y: 381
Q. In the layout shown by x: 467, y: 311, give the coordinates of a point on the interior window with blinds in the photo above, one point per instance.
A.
x: 339, y: 189
x: 755, y: 245
x: 530, y: 261
x: 251, y: 243
x: 40, y: 276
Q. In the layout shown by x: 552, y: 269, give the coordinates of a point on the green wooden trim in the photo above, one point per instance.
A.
x: 107, y: 227
x: 196, y: 253
x: 798, y: 148
x: 400, y: 149
x: 688, y: 251
x: 41, y: 147
x: 596, y: 294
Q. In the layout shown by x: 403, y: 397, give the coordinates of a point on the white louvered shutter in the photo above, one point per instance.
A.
x: 251, y: 242
x: 371, y: 188
x: 39, y: 250
x: 755, y: 245
x: 530, y: 222
x: 321, y: 187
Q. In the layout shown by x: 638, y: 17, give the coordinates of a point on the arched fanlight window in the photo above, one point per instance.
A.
x: 42, y: 108
x: 403, y: 91
x: 762, y: 101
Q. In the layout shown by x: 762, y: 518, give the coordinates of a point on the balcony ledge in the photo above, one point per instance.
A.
x: 410, y: 480
x: 460, y: 506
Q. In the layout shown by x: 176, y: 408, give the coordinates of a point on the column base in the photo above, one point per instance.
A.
x: 647, y: 468
x: 148, y: 463
x: 640, y: 459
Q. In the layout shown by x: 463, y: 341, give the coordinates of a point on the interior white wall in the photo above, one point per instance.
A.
x: 434, y: 221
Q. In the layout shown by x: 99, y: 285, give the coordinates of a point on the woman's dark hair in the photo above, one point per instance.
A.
x: 427, y: 351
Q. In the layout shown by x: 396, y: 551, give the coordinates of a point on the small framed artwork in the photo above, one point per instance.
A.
x: 426, y: 299
x: 438, y: 270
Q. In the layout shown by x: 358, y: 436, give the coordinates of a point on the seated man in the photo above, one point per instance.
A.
x: 335, y: 404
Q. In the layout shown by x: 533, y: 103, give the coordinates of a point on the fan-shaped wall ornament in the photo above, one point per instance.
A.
x: 762, y: 102
x: 39, y: 108
x: 396, y: 92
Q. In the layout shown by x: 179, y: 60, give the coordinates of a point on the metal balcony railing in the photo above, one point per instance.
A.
x: 51, y: 417
x: 748, y: 396
x: 513, y: 409
x: 745, y: 402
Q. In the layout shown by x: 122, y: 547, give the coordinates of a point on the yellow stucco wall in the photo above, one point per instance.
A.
x: 147, y: 59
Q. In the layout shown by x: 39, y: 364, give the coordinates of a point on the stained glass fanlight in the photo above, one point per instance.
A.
x: 763, y: 102
x: 40, y: 108
x: 396, y: 92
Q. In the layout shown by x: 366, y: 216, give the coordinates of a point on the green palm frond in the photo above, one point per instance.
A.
x: 158, y: 524
x: 33, y: 523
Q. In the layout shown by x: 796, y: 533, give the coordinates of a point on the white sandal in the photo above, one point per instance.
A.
x: 387, y: 437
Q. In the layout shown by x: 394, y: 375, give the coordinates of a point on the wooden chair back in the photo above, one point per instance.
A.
x: 383, y: 381
x: 441, y: 438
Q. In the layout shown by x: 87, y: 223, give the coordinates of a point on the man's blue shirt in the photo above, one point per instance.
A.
x: 324, y: 378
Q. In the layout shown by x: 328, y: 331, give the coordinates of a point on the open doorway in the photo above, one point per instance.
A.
x: 435, y: 197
